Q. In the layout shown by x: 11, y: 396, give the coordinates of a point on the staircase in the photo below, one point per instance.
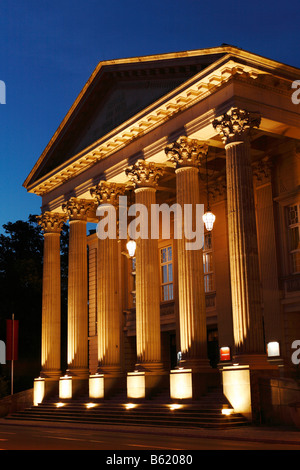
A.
x: 158, y: 412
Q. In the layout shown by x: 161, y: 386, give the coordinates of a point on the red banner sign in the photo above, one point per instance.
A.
x: 225, y: 354
x: 12, y: 336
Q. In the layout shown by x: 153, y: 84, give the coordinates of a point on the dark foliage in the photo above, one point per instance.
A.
x: 21, y: 273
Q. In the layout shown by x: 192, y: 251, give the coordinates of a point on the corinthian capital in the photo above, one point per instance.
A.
x: 186, y: 152
x: 51, y: 222
x: 107, y: 193
x: 78, y: 209
x: 236, y: 124
x: 144, y: 174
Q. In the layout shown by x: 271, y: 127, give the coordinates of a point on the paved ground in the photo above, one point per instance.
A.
x: 22, y: 435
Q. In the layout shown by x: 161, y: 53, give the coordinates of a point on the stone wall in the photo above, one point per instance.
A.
x: 17, y: 402
x: 280, y: 401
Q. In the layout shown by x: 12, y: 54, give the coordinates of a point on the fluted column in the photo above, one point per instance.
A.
x: 51, y: 224
x: 262, y: 172
x: 234, y: 128
x: 148, y: 340
x: 77, y: 350
x: 186, y: 155
x: 108, y: 295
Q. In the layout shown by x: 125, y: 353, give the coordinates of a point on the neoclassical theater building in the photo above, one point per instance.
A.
x: 217, y: 128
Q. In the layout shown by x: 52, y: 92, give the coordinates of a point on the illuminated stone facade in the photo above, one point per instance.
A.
x: 166, y: 129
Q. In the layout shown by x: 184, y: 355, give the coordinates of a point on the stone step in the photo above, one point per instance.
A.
x: 133, y: 420
x: 180, y: 414
x: 159, y: 417
x: 205, y: 412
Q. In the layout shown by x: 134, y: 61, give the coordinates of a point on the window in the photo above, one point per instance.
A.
x: 166, y: 266
x: 294, y: 237
x: 133, y: 277
x: 208, y: 263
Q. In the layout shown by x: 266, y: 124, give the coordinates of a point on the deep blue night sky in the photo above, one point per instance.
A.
x: 49, y: 49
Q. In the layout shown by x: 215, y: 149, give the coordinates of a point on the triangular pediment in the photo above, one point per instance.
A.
x: 119, y: 90
x: 116, y: 91
x: 124, y: 100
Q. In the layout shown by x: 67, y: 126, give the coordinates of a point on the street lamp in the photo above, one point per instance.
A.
x: 131, y: 246
x: 208, y: 218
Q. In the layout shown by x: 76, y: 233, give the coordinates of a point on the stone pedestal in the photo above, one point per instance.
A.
x: 142, y: 384
x: 241, y: 384
x: 38, y: 391
x: 191, y: 384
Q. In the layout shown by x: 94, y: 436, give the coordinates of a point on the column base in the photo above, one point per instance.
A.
x: 197, y: 365
x: 80, y: 373
x: 255, y: 361
x: 149, y: 367
x: 50, y: 374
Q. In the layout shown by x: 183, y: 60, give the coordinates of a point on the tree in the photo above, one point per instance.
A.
x: 21, y: 275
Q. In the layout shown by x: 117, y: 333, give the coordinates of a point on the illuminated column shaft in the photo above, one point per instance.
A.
x: 192, y: 312
x: 244, y: 263
x: 186, y: 155
x: 108, y: 306
x: 77, y: 297
x: 244, y: 266
x: 147, y: 291
x: 77, y: 350
x: 51, y: 305
x: 51, y: 296
x: 108, y: 295
x: 148, y: 339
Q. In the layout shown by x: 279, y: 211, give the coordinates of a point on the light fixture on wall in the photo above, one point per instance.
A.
x: 208, y: 218
x: 273, y: 349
